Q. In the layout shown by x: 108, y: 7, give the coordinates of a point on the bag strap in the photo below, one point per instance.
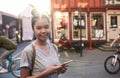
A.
x: 33, y: 59
x: 34, y: 54
x: 56, y: 48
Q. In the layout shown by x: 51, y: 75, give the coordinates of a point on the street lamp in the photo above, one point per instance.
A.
x: 79, y: 24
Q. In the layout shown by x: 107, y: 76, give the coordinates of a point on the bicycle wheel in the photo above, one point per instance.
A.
x: 109, y: 67
x: 15, y: 68
x: 1, y: 66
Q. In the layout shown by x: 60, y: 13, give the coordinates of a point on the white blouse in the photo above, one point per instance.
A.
x: 42, y: 61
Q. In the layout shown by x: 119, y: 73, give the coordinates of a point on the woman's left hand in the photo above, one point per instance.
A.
x: 63, y: 69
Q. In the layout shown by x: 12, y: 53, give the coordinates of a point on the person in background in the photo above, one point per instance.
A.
x: 9, y: 47
x: 47, y: 63
x: 115, y: 40
x: 63, y: 37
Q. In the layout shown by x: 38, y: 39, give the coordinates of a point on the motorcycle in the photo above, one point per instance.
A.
x: 63, y: 43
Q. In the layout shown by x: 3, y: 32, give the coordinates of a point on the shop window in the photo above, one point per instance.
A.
x: 97, y: 21
x: 76, y: 34
x: 61, y: 25
x: 77, y: 24
x: 97, y: 25
x: 113, y: 22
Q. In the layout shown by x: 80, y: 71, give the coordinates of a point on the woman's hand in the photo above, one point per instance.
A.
x: 53, y: 69
x: 63, y: 69
x: 60, y: 69
x: 50, y: 70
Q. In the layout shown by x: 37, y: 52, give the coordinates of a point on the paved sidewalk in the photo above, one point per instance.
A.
x: 91, y: 65
x: 88, y: 55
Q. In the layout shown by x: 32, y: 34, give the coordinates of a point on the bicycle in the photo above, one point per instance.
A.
x: 112, y: 63
x: 13, y: 66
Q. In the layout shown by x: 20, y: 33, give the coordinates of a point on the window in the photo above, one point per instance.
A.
x: 61, y: 24
x: 113, y: 20
x: 97, y: 25
x: 79, y: 23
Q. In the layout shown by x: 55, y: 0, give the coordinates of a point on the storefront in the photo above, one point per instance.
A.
x: 113, y: 18
x: 9, y: 26
x: 94, y: 22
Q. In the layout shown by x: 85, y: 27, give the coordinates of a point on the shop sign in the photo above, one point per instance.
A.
x: 112, y: 2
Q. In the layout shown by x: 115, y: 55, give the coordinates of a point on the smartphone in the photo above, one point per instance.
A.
x: 67, y: 62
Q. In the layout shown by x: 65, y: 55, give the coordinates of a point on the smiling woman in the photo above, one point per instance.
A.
x: 15, y: 7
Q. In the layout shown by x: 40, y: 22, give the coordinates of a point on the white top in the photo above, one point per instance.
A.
x: 42, y: 61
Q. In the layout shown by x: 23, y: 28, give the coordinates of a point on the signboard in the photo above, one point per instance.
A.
x: 112, y: 2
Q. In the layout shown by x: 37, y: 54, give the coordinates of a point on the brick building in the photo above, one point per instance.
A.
x: 89, y: 20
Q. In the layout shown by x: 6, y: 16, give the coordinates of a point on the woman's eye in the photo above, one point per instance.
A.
x: 46, y: 26
x: 42, y: 27
x: 38, y: 27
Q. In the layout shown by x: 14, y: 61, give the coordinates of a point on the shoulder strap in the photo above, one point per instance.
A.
x: 33, y: 59
x: 56, y: 48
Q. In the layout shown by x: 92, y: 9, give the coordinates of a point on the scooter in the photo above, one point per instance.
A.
x: 63, y: 43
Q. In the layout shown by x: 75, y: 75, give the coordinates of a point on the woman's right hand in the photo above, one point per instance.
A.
x: 50, y: 70
x: 53, y: 69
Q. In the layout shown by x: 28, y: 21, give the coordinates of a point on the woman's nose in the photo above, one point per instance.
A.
x: 43, y: 30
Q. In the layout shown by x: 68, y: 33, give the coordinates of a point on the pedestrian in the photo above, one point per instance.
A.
x: 115, y: 40
x: 46, y: 63
x: 9, y: 47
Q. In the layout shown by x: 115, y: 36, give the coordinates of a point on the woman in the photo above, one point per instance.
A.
x: 47, y: 64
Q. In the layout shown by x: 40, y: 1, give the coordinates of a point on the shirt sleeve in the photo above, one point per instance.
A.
x: 26, y: 58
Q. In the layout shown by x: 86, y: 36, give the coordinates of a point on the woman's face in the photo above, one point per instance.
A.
x: 42, y: 29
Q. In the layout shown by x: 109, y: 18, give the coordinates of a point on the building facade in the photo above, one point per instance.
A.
x: 89, y: 20
x: 9, y: 26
